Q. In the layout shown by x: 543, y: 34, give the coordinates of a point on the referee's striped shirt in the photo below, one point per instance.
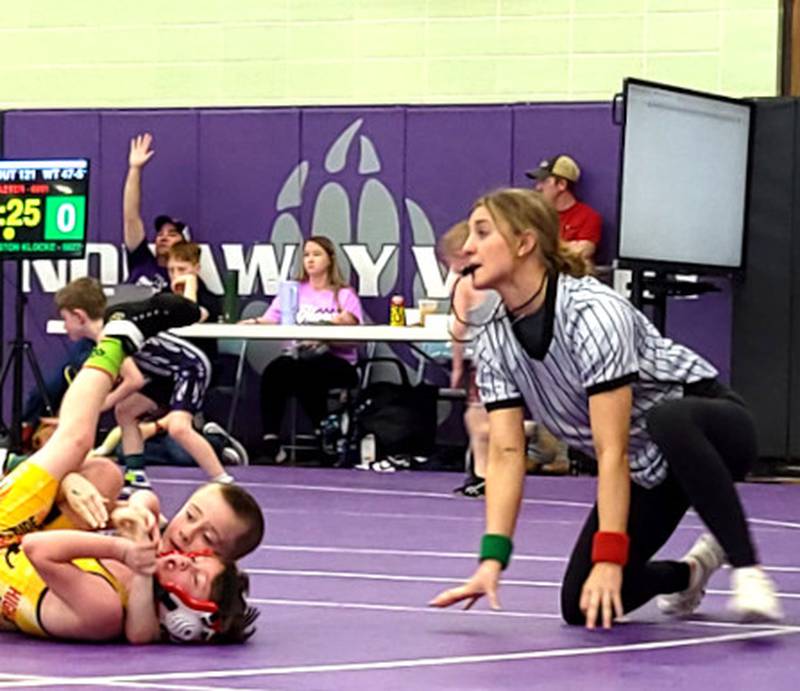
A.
x: 597, y: 342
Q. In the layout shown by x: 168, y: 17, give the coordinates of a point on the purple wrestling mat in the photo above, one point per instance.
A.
x: 351, y: 558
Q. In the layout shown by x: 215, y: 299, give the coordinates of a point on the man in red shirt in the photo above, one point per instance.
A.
x: 580, y: 223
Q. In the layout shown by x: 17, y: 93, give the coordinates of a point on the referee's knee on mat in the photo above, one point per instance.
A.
x: 571, y: 610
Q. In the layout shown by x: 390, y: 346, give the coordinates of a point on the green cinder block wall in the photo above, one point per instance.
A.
x: 94, y: 53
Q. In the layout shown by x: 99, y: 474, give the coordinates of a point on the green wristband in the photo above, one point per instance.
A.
x: 497, y: 547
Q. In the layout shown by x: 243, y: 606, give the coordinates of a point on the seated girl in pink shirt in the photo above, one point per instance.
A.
x: 323, y: 297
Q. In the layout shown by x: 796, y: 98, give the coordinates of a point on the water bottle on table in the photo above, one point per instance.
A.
x: 288, y: 294
x: 230, y: 300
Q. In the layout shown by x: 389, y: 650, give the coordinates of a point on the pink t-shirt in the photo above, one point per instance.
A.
x: 319, y: 307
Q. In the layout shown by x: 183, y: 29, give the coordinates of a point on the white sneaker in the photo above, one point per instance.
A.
x: 704, y: 558
x: 231, y: 442
x: 224, y: 479
x: 230, y: 457
x: 754, y: 597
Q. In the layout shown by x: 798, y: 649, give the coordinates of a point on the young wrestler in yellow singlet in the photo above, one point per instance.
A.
x: 72, y: 584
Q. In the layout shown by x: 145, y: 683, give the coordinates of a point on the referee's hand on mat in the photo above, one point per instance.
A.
x: 601, y: 599
x: 484, y: 581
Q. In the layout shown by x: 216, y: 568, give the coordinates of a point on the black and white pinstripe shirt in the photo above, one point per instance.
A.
x: 597, y: 342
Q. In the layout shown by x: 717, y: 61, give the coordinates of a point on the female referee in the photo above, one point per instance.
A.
x: 666, y: 433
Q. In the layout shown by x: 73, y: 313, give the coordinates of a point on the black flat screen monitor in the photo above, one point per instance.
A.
x: 684, y: 179
x: 43, y: 208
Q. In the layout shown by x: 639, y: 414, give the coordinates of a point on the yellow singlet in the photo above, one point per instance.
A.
x: 26, y: 498
x: 22, y: 590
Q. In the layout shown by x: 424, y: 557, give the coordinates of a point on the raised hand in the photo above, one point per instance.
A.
x: 85, y: 500
x: 484, y: 581
x: 140, y: 152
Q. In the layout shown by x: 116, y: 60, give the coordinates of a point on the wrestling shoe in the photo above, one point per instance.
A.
x: 234, y: 450
x: 135, y: 322
x: 10, y: 461
x: 229, y: 456
x: 704, y: 558
x: 224, y: 479
x: 273, y: 452
x: 474, y: 487
x: 137, y: 479
x: 754, y: 598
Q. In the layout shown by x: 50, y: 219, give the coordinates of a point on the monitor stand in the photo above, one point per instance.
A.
x: 19, y: 351
x: 661, y: 285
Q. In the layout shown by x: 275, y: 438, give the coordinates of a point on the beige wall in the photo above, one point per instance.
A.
x: 91, y: 53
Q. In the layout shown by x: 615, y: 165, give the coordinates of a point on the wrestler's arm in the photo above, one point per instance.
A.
x: 85, y: 498
x: 131, y: 380
x: 148, y: 500
x: 77, y: 604
x: 141, y: 618
x: 88, y: 498
x: 136, y: 522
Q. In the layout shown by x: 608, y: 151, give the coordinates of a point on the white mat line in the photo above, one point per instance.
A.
x: 398, y: 552
x: 781, y: 569
x: 447, y: 555
x: 773, y: 523
x: 140, y: 680
x: 179, y: 687
x: 327, y: 604
x: 416, y: 663
x: 523, y: 519
x: 30, y: 681
x: 460, y: 611
x: 356, y: 575
x: 782, y: 595
x: 12, y: 677
x: 441, y: 495
x: 368, y: 490
x: 729, y: 624
x: 455, y: 580
x: 60, y: 682
x: 33, y: 681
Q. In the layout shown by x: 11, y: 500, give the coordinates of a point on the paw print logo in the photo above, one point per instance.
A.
x: 363, y: 216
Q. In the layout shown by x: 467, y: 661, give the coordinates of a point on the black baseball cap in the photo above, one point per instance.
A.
x: 162, y: 220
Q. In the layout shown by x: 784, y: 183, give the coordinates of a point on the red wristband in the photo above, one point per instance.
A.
x: 611, y: 547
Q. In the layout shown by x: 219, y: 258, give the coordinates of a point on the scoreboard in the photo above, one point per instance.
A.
x: 43, y: 206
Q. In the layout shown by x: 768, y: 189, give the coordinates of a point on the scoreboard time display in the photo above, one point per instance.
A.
x: 43, y: 207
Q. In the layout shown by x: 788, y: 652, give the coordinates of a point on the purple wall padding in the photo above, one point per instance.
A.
x: 233, y: 144
x: 455, y: 154
x: 222, y: 172
x: 585, y: 132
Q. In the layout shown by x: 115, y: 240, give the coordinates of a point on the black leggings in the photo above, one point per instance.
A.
x: 310, y: 379
x: 709, y: 443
